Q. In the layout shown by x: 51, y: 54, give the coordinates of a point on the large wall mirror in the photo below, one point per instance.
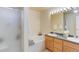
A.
x: 66, y: 22
x: 57, y: 24
x: 70, y: 22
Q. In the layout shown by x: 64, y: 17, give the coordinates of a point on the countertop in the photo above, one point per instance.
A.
x: 70, y: 39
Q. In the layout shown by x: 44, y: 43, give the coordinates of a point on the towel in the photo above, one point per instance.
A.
x: 31, y: 42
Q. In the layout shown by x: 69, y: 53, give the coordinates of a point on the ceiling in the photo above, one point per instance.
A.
x: 39, y: 8
x: 44, y: 8
x: 19, y: 8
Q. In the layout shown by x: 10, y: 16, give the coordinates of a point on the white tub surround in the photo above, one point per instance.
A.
x: 38, y: 44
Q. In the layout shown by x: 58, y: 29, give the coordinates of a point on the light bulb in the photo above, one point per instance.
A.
x: 75, y: 11
x: 64, y: 8
x: 52, y: 12
x: 61, y: 10
x: 57, y: 11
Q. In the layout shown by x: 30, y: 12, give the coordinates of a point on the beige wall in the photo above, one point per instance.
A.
x: 34, y: 22
x: 39, y: 22
x: 45, y: 23
x: 25, y: 29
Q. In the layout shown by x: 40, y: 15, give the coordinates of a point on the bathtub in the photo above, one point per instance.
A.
x: 38, y: 45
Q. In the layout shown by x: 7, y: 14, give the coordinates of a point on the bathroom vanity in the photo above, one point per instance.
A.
x: 66, y: 23
x: 56, y: 44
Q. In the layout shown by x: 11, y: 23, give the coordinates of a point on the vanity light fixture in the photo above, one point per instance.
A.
x: 74, y: 9
x: 64, y: 9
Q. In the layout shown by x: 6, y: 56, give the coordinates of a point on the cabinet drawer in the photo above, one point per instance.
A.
x: 57, y: 49
x: 58, y: 41
x: 72, y: 45
x: 69, y: 49
x: 49, y: 38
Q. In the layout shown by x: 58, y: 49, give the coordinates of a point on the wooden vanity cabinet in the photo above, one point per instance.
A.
x: 49, y: 43
x: 58, y: 45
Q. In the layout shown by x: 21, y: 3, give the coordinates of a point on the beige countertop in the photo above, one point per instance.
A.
x: 70, y: 39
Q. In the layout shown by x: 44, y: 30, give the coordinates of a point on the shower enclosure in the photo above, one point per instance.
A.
x: 10, y: 30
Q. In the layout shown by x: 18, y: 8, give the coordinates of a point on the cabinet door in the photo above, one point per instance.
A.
x: 57, y: 49
x: 49, y: 43
x: 72, y: 45
x: 57, y: 45
x: 69, y: 49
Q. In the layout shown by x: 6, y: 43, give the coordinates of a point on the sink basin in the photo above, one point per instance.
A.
x: 53, y: 35
x: 73, y: 39
x: 70, y: 38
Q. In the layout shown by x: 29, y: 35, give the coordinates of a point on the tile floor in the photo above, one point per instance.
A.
x: 46, y: 50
